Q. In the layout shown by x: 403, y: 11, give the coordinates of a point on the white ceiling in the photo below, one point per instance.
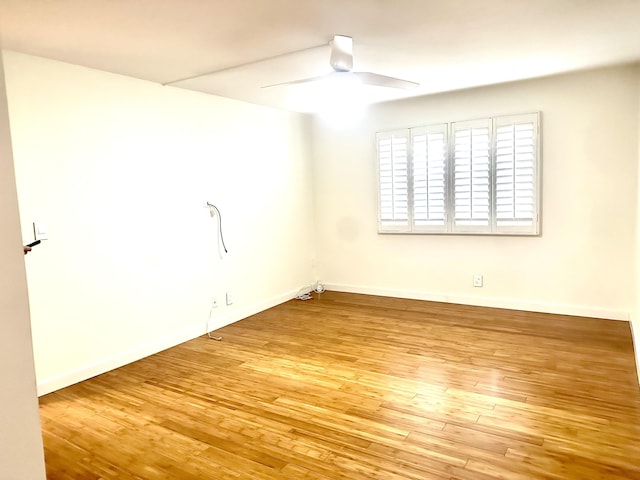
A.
x: 442, y: 44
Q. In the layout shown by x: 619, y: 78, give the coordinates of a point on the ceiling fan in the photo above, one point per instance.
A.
x: 341, y: 61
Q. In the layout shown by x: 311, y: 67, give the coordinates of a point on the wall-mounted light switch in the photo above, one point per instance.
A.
x: 40, y: 230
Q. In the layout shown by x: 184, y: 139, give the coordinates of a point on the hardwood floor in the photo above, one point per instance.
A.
x: 357, y: 387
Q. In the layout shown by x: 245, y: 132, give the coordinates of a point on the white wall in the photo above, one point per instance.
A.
x: 21, y: 453
x: 583, y: 263
x: 119, y: 169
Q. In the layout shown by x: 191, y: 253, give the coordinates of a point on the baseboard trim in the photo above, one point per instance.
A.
x: 156, y: 345
x: 511, y: 304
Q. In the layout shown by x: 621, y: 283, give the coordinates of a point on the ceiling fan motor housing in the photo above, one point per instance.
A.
x: 341, y: 53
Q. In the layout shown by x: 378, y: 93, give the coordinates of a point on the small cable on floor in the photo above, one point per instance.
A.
x: 305, y: 293
x: 212, y: 337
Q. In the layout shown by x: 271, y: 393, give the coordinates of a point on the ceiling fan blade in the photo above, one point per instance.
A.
x: 341, y: 59
x: 365, y: 78
x: 369, y: 78
x: 303, y: 80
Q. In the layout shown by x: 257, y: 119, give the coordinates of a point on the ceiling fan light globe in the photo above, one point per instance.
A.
x: 342, y: 115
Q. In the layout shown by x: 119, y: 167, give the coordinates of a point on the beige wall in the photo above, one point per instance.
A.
x: 635, y: 318
x: 119, y: 169
x: 583, y: 263
x: 21, y: 454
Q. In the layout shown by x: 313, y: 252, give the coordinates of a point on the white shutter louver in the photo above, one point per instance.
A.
x: 429, y: 147
x: 393, y: 171
x: 472, y: 175
x: 516, y: 173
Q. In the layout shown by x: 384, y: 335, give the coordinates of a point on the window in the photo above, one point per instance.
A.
x: 475, y: 177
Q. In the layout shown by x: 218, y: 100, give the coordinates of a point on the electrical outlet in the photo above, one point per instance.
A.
x: 229, y: 298
x: 214, y: 302
x: 477, y: 280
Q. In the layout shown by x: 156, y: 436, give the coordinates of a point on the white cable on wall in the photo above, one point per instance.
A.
x: 215, y: 213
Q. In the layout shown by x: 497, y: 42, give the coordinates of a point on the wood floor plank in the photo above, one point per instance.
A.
x: 357, y: 387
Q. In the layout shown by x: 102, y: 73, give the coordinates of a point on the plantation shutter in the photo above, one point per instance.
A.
x: 471, y: 176
x: 429, y: 148
x: 516, y: 173
x: 393, y: 174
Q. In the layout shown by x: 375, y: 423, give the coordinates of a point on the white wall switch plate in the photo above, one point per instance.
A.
x: 40, y: 231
